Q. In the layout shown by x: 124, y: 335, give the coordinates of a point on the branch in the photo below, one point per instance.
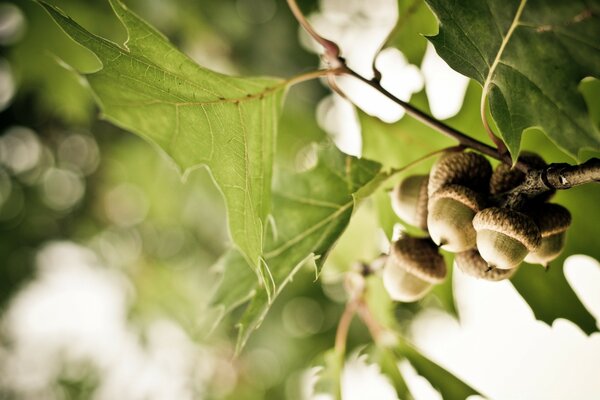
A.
x: 430, y: 121
x: 553, y: 177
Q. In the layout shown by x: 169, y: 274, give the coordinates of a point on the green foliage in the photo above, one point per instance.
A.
x: 311, y: 209
x: 198, y: 117
x: 530, y: 57
x: 283, y: 219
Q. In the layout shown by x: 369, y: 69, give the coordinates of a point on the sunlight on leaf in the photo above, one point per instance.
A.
x: 196, y: 116
x: 311, y: 210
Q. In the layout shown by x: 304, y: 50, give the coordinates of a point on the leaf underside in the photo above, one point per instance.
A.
x: 530, y: 56
x: 196, y: 116
x: 310, y: 212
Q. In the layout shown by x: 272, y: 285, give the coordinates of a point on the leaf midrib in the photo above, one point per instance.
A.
x: 503, y: 44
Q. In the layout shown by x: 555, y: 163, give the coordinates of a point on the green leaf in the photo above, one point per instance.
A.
x: 311, y: 210
x: 196, y: 116
x: 443, y: 381
x: 530, y: 57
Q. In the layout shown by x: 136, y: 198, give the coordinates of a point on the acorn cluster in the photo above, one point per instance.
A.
x: 457, y: 205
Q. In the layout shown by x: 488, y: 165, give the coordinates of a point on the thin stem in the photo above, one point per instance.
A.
x: 294, y: 80
x: 375, y: 328
x: 332, y: 51
x: 428, y: 120
x: 499, y: 143
x: 341, y: 334
x: 488, y: 81
x: 427, y: 156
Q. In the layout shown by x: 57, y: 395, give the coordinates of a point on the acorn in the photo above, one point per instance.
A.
x: 553, y: 220
x: 471, y: 263
x: 505, y: 237
x: 409, y: 200
x: 505, y: 178
x: 413, y: 267
x: 459, y: 168
x: 450, y: 216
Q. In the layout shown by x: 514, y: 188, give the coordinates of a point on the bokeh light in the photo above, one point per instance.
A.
x: 12, y: 23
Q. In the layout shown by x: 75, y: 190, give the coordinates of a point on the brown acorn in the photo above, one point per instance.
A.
x: 505, y: 237
x: 468, y: 169
x: 471, y: 263
x: 553, y: 220
x: 409, y: 200
x: 450, y: 216
x: 413, y: 266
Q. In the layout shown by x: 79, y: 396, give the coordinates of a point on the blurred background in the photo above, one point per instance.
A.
x: 106, y: 254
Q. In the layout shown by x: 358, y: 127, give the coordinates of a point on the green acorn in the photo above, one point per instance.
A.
x: 553, y: 220
x: 505, y: 237
x: 414, y: 265
x: 471, y: 263
x: 460, y: 168
x: 450, y: 216
x: 409, y: 200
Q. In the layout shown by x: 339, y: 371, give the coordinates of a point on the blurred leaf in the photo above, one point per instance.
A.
x: 443, y: 292
x: 57, y: 91
x: 383, y: 311
x: 388, y: 363
x: 530, y: 58
x: 443, y: 381
x: 329, y: 374
x: 311, y: 210
x: 198, y: 117
x: 361, y: 242
x: 414, y: 20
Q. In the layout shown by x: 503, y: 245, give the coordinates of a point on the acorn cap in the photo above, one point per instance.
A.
x: 550, y: 218
x: 511, y: 223
x: 471, y: 263
x: 462, y: 194
x: 420, y: 257
x: 409, y: 200
x: 462, y: 168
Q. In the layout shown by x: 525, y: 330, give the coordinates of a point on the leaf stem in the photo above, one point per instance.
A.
x: 332, y: 51
x: 307, y: 76
x: 376, y: 330
x: 427, y: 156
x: 488, y: 81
